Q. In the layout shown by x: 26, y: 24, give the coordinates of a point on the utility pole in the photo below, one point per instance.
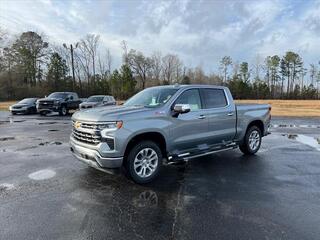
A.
x: 72, y: 62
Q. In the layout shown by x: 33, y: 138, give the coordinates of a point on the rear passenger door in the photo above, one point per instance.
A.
x: 189, y: 129
x: 73, y: 101
x: 221, y: 115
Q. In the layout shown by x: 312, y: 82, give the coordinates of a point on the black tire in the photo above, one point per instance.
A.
x: 13, y: 113
x: 246, y: 147
x: 63, y: 111
x: 131, y: 158
x: 43, y: 113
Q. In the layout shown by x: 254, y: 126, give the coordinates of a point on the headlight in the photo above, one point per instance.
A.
x: 56, y: 102
x: 10, y: 108
x: 109, y: 127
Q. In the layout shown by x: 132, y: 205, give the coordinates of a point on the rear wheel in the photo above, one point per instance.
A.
x: 252, y: 141
x: 144, y: 161
x: 43, y: 113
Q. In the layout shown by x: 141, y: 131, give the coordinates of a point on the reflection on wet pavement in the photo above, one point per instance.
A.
x: 310, y: 141
x: 46, y: 194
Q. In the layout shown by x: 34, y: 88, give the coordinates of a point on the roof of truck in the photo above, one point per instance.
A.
x: 180, y: 86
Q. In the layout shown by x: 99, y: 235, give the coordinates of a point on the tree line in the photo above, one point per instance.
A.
x: 30, y: 66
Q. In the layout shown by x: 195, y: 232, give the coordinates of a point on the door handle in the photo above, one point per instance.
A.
x: 201, y: 117
x: 230, y: 114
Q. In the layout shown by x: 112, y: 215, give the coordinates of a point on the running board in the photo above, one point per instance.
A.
x: 208, y: 153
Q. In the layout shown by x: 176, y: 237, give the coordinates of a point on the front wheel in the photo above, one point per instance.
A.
x: 144, y: 161
x: 252, y: 141
x: 63, y: 111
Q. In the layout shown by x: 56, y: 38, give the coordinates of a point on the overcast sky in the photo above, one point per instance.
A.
x: 200, y: 32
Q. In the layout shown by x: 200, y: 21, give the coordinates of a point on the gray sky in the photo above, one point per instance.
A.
x: 200, y: 32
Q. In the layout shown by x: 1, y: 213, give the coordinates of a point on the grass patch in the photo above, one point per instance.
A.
x: 5, y: 105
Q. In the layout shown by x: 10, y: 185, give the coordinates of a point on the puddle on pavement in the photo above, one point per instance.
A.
x: 145, y: 199
x: 310, y: 141
x: 6, y: 187
x: 42, y: 174
x: 2, y: 139
x: 49, y: 143
x: 26, y: 148
x: 294, y: 126
x: 47, y: 123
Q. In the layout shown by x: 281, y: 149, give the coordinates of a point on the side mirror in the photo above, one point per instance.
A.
x: 181, y: 108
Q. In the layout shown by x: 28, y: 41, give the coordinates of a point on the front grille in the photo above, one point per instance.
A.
x: 87, y: 125
x: 87, y: 107
x: 94, y: 137
x: 45, y: 104
x: 16, y: 107
x: 86, y: 137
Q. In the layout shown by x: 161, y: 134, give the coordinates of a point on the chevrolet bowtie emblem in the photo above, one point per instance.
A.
x: 77, y: 125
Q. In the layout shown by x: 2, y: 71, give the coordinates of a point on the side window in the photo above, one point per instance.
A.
x: 213, y: 98
x: 75, y: 96
x: 191, y: 97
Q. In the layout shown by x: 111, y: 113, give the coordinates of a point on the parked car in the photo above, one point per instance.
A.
x: 97, y: 101
x: 60, y: 102
x: 25, y: 106
x: 176, y: 123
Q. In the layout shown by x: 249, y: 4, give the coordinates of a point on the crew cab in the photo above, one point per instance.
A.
x: 175, y: 123
x: 60, y: 102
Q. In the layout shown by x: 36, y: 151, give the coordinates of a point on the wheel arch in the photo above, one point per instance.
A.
x: 154, y: 136
x: 258, y: 123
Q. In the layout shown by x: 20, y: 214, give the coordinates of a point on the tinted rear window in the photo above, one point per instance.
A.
x: 213, y: 98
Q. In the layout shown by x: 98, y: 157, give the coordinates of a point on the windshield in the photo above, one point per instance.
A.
x: 58, y: 95
x: 95, y: 99
x: 151, y: 97
x: 28, y: 100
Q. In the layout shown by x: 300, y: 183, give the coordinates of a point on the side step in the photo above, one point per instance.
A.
x: 187, y: 156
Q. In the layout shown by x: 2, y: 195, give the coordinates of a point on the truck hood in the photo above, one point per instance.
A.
x: 49, y: 99
x: 90, y: 103
x: 112, y: 113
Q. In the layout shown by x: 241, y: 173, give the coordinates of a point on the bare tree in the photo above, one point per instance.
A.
x: 90, y: 44
x: 170, y: 63
x: 156, y: 67
x: 225, y: 62
x: 124, y: 47
x: 140, y: 65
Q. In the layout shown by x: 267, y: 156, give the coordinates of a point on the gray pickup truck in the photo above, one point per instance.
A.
x: 166, y: 124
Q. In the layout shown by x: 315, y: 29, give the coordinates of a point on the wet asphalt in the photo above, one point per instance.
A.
x: 46, y: 194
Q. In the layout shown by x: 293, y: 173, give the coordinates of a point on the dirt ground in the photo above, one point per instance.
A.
x: 291, y: 108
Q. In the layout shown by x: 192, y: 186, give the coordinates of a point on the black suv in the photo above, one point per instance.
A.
x: 60, y: 102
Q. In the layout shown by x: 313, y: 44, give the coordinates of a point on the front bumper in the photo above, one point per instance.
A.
x: 48, y: 109
x: 93, y: 158
x: 17, y: 110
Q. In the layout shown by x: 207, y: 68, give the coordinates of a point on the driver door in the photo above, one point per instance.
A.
x: 190, y: 130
